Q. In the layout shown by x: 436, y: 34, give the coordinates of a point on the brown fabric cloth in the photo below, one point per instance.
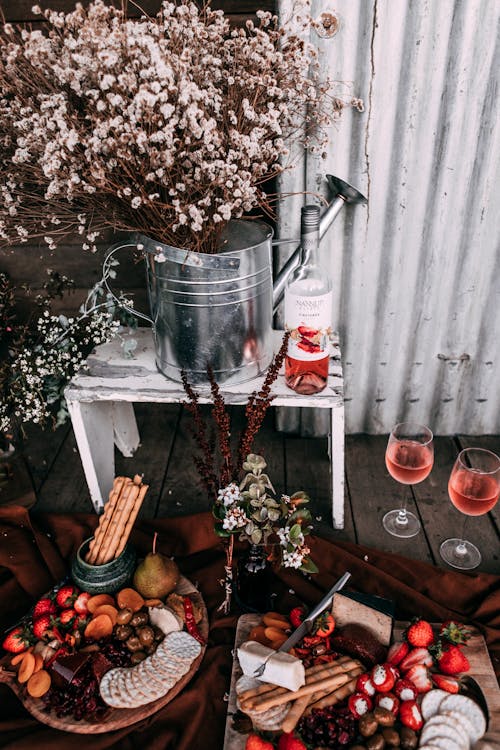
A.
x: 34, y: 555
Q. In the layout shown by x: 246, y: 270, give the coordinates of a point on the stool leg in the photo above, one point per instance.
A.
x: 336, y: 450
x: 125, y: 430
x: 93, y: 428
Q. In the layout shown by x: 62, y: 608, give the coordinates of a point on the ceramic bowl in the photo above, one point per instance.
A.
x: 103, y: 579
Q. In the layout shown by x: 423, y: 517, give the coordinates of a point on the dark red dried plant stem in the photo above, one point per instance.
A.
x: 258, y: 404
x: 223, y: 422
x: 205, y: 464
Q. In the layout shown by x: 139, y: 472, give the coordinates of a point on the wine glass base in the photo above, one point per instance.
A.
x: 393, y: 525
x: 460, y: 554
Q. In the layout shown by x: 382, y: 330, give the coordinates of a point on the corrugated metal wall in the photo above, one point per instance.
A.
x: 417, y: 272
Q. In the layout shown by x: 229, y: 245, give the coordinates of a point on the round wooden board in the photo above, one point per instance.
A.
x: 118, y: 718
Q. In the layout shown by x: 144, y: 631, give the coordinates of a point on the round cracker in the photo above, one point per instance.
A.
x: 446, y: 743
x: 431, y: 702
x: 471, y: 711
x: 464, y: 722
x: 442, y: 726
x: 181, y: 645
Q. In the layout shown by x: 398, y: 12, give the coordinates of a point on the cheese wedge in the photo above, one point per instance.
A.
x: 281, y: 669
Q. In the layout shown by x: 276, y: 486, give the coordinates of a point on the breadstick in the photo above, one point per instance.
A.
x: 324, y: 693
x: 293, y: 716
x: 278, y: 700
x: 313, y: 678
x: 121, y: 521
x: 336, y: 695
x: 110, y: 531
x: 266, y: 687
x: 131, y: 519
x: 104, y: 520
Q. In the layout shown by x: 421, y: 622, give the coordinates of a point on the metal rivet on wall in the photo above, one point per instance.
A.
x: 327, y: 24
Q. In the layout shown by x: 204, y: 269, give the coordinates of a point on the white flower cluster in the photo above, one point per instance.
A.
x: 294, y: 550
x: 235, y: 518
x: 229, y: 495
x: 167, y: 125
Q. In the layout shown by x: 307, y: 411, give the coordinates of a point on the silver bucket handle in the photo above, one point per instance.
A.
x: 106, y: 268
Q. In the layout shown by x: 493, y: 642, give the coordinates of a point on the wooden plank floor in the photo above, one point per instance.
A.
x: 294, y: 463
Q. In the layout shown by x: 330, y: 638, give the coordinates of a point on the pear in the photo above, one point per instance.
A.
x: 156, y: 575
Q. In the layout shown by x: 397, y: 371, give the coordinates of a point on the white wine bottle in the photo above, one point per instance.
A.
x: 308, y: 313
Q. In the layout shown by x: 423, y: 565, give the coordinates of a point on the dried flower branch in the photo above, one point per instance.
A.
x: 258, y: 404
x: 168, y: 126
x: 223, y: 422
x: 205, y: 463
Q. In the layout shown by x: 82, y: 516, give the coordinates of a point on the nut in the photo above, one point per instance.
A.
x: 384, y: 717
x: 376, y: 742
x: 124, y: 616
x: 409, y: 739
x: 368, y: 724
x: 391, y: 737
x: 137, y: 657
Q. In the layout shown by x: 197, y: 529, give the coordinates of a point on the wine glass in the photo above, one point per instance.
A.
x: 474, y: 488
x: 409, y: 458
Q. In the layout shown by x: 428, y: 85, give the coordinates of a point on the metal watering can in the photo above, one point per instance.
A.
x: 217, y: 309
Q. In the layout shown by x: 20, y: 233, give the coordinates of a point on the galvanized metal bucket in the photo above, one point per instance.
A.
x: 211, y: 309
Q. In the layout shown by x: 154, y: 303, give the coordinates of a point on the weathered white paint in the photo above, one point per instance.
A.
x: 416, y: 273
x: 100, y: 405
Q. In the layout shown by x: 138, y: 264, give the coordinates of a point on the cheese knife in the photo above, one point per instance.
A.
x: 306, y: 626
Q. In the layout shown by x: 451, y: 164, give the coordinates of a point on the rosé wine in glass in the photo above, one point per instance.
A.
x: 474, y: 489
x: 408, y: 461
x: 409, y: 458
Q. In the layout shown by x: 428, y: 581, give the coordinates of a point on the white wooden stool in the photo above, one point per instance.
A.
x: 100, y: 405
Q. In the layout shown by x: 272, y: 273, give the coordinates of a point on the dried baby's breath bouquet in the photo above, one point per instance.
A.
x: 169, y: 126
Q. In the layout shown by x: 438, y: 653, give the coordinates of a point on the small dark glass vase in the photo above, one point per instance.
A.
x: 254, y: 580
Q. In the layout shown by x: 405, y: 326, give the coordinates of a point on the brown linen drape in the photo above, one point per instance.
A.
x: 34, y: 555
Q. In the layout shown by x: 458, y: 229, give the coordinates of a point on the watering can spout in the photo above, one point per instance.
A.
x: 342, y: 193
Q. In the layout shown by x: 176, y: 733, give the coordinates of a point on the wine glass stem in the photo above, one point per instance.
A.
x: 402, y: 518
x: 461, y: 548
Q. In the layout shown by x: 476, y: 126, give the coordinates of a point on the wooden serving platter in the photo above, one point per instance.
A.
x: 118, y: 718
x: 477, y: 653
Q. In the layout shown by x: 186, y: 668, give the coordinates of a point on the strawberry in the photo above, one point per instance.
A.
x: 454, y: 632
x: 288, y: 741
x: 419, y: 676
x: 67, y: 616
x: 256, y: 742
x: 66, y: 596
x: 80, y: 604
x: 451, y: 660
x: 17, y: 640
x: 359, y: 704
x: 324, y: 625
x: 388, y: 701
x: 445, y: 682
x: 419, y: 633
x: 80, y: 621
x: 296, y: 616
x: 416, y: 656
x: 365, y: 685
x: 44, y: 606
x: 42, y: 626
x: 382, y: 677
x: 405, y: 690
x: 397, y: 652
x: 410, y: 716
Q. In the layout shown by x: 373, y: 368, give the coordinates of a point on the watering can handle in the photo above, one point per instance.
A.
x: 106, y: 268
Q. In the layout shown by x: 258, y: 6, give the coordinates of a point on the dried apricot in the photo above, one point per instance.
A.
x: 27, y: 667
x: 18, y: 658
x: 130, y: 598
x: 100, y: 627
x: 153, y: 602
x: 106, y: 609
x: 38, y: 663
x: 98, y: 600
x: 271, y: 620
x: 258, y: 634
x: 38, y: 683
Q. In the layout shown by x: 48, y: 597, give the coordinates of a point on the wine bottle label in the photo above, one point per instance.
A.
x: 309, y: 320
